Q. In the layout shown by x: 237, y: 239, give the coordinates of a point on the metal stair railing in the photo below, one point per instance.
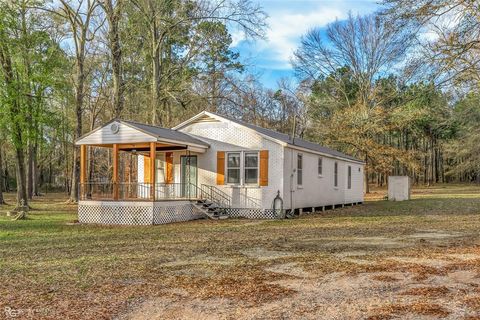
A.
x: 215, y: 195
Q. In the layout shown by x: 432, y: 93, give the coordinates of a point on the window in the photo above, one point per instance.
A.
x: 320, y: 164
x: 233, y: 167
x: 299, y: 169
x: 242, y: 167
x: 349, y: 181
x: 335, y: 175
x: 251, y: 167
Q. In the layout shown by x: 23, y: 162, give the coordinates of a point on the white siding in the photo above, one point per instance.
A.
x: 355, y: 194
x: 318, y: 190
x: 227, y: 136
x: 125, y: 134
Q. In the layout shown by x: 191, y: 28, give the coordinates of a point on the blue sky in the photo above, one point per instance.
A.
x: 288, y: 20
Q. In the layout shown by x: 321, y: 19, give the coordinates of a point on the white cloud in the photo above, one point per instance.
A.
x: 289, y: 20
x: 287, y: 28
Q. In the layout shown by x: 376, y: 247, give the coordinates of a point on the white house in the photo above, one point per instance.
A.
x: 215, y: 166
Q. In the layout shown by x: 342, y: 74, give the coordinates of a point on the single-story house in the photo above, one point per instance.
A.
x: 212, y: 166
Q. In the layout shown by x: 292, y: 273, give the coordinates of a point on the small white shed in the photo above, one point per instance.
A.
x: 398, y: 188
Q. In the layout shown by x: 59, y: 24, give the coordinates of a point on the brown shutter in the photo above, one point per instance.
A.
x: 169, y: 167
x: 263, y: 181
x: 220, y: 167
x: 146, y: 169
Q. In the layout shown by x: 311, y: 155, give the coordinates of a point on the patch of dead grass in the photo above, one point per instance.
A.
x: 427, y: 291
x: 247, y: 284
x: 385, y: 278
x: 421, y: 308
x: 473, y: 302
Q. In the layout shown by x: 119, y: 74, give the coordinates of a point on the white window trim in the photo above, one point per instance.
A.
x: 242, y: 169
x: 227, y: 167
x: 300, y: 186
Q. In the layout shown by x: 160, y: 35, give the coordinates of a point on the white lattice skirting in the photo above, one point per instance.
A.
x: 252, y: 213
x: 137, y: 213
x: 149, y: 213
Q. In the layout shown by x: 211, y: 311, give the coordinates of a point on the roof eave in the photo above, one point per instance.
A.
x: 292, y: 146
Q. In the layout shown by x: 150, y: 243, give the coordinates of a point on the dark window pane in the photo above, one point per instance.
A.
x: 251, y: 160
x: 251, y: 175
x: 349, y: 177
x: 233, y: 160
x: 320, y: 164
x: 233, y: 176
x: 335, y: 174
x: 299, y: 169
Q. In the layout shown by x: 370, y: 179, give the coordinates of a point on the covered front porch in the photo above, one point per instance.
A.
x: 138, y: 172
x: 125, y: 161
x: 133, y: 173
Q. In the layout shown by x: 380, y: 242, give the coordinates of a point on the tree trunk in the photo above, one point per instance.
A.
x: 17, y: 137
x: 157, y: 116
x: 113, y: 15
x: 36, y: 174
x: 30, y: 172
x: 367, y: 187
x: 2, y: 200
x: 80, y: 81
x: 22, y: 199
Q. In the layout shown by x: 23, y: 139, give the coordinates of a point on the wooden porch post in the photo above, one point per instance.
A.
x: 83, y: 170
x: 153, y: 151
x: 115, y: 171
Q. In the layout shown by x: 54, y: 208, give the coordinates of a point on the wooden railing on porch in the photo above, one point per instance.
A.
x: 138, y: 191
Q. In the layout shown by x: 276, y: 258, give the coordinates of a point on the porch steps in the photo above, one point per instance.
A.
x: 211, y: 210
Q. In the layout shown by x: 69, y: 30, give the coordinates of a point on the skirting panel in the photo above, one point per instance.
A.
x: 251, y: 213
x: 173, y: 212
x: 136, y: 213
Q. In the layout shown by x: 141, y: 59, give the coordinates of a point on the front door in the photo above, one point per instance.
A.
x: 188, y: 176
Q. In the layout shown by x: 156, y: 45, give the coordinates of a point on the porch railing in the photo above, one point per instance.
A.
x: 137, y: 191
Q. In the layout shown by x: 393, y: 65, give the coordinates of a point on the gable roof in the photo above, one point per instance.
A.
x: 281, y: 137
x: 166, y: 133
x: 153, y: 133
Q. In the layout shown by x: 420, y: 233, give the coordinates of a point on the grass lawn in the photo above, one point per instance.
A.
x: 382, y: 260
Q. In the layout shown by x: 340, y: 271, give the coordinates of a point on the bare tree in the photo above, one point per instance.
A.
x: 165, y: 20
x: 367, y: 45
x: 83, y: 25
x: 451, y: 36
x: 363, y: 48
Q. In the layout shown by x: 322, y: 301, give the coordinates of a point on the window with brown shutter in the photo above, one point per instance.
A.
x: 263, y: 168
x: 220, y: 167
